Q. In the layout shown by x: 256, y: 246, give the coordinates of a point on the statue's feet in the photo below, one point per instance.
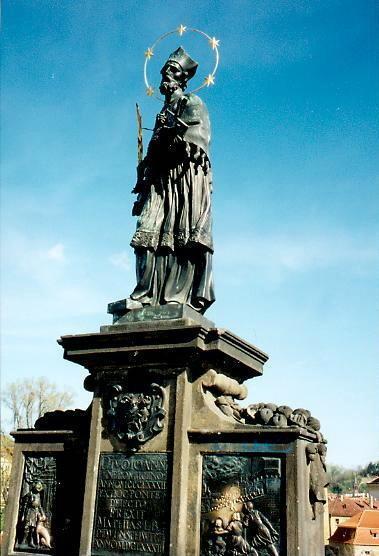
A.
x: 131, y: 304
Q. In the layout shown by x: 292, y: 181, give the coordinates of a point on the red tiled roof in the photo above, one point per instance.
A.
x: 349, y: 506
x: 361, y: 529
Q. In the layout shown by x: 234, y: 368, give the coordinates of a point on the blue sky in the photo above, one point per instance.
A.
x: 294, y: 115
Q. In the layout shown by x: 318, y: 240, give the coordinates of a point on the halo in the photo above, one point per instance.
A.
x: 208, y: 80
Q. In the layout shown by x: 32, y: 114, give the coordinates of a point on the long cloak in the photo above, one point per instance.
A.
x: 173, y: 239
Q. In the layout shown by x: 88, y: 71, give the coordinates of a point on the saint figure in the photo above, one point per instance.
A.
x: 33, y: 518
x: 262, y: 533
x: 173, y: 239
x: 238, y: 544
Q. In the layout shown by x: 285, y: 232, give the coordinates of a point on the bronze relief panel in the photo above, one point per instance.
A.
x: 241, y: 505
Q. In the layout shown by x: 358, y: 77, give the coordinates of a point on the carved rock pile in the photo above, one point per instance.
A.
x: 70, y: 419
x: 279, y: 416
x: 226, y: 391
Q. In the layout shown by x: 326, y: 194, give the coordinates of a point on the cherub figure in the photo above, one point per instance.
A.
x: 318, y: 479
x: 217, y: 538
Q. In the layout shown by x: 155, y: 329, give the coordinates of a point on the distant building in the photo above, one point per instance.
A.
x: 373, y: 487
x: 342, y: 508
x: 357, y: 536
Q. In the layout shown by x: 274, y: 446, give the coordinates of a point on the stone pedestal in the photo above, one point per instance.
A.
x: 172, y: 464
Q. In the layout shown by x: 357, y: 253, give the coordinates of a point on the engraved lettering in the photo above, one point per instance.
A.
x: 132, y: 506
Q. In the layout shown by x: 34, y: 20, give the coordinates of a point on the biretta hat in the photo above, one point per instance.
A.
x: 181, y: 57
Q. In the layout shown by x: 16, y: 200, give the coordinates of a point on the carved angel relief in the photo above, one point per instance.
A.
x: 318, y: 477
x: 135, y: 417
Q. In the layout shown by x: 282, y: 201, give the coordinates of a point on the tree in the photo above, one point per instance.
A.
x: 372, y: 470
x: 6, y: 454
x: 350, y: 481
x: 30, y: 399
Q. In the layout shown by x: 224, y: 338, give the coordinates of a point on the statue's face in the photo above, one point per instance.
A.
x: 172, y: 77
x: 311, y: 453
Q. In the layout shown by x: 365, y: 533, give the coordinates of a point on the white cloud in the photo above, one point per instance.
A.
x: 121, y: 260
x: 41, y: 281
x: 56, y: 253
x: 299, y: 253
x: 34, y: 258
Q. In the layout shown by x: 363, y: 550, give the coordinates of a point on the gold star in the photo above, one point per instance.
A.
x: 214, y: 42
x: 150, y: 91
x: 149, y: 53
x: 182, y: 29
x: 209, y: 80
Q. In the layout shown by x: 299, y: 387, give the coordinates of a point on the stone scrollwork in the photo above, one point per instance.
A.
x: 134, y: 417
x: 225, y: 390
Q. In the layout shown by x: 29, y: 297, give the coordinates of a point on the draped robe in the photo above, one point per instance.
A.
x: 173, y: 238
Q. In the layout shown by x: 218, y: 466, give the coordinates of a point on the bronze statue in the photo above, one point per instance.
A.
x: 173, y: 239
x: 260, y: 529
x: 217, y: 538
x: 33, y: 518
x: 238, y: 544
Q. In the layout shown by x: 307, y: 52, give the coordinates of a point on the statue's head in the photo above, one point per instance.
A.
x: 37, y: 486
x: 177, y: 71
x: 311, y: 451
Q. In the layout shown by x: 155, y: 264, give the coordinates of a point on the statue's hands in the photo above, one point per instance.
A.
x: 174, y: 140
x: 142, y: 175
x: 138, y: 206
x: 162, y: 118
x: 138, y: 188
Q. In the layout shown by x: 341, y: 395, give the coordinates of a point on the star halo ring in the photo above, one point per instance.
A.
x: 212, y: 41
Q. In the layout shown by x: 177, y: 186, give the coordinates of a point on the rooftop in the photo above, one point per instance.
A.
x: 347, y: 506
x: 361, y: 529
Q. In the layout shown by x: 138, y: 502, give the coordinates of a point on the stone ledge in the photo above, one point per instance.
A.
x: 32, y: 435
x: 244, y: 431
x: 165, y: 344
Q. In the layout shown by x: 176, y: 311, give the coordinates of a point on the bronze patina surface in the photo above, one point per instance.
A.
x: 132, y: 508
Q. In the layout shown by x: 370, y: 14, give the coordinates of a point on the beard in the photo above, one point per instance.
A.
x: 168, y: 86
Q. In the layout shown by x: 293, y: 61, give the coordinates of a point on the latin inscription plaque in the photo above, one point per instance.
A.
x: 132, y: 505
